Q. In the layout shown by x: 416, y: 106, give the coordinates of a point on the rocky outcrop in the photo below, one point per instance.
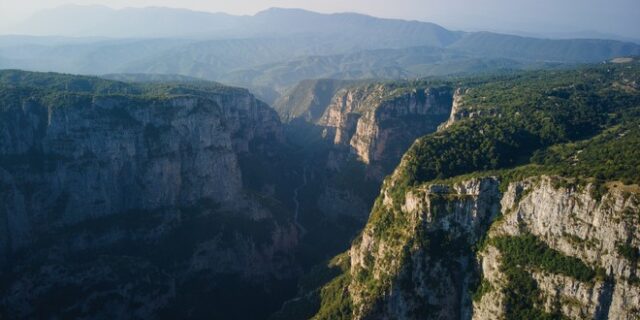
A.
x: 127, y: 204
x: 415, y: 258
x: 462, y: 109
x: 456, y: 110
x: 377, y: 123
x: 577, y: 223
x: 89, y: 158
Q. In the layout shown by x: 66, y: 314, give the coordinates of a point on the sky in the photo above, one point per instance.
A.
x: 616, y: 17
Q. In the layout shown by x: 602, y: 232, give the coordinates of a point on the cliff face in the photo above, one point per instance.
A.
x: 101, y: 156
x: 416, y: 257
x: 461, y: 109
x: 456, y: 110
x: 352, y: 134
x: 113, y: 199
x: 576, y: 223
x: 308, y: 100
x: 377, y: 123
x: 519, y: 207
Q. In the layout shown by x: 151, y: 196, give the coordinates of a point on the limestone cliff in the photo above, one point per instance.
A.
x: 456, y: 112
x: 417, y: 257
x: 121, y: 201
x: 519, y: 207
x: 378, y: 122
x: 462, y: 109
x: 89, y: 157
x: 351, y: 134
x: 578, y: 223
x: 417, y: 241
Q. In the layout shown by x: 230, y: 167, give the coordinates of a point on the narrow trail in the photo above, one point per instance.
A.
x: 297, y: 202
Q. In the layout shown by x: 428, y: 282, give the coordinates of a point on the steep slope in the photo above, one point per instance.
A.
x: 378, y: 122
x: 375, y: 122
x: 308, y: 100
x: 349, y: 135
x: 549, y: 233
x: 125, y: 200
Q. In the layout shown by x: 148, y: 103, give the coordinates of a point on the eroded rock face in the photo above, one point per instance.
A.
x: 461, y: 109
x: 377, y: 123
x: 415, y: 259
x: 421, y: 258
x: 456, y: 110
x: 578, y: 223
x: 133, y: 202
x: 359, y: 131
x: 104, y: 156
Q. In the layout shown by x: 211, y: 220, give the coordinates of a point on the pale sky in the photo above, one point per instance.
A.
x: 620, y: 17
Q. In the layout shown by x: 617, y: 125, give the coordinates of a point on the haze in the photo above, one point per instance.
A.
x: 551, y: 18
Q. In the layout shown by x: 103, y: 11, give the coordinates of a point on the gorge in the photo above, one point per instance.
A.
x: 344, y: 167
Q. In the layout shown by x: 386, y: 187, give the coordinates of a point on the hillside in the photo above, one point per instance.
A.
x: 108, y: 185
x: 524, y: 206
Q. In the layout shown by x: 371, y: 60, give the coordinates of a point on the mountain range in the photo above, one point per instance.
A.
x: 274, y: 49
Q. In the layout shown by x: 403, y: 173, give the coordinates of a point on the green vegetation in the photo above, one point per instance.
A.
x: 527, y: 251
x: 336, y: 301
x: 325, y: 293
x: 519, y: 115
x: 612, y: 155
x: 484, y: 288
x: 629, y: 252
x: 17, y: 83
x: 581, y: 125
x: 522, y: 254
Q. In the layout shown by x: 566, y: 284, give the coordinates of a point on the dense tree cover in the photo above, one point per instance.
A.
x: 612, y: 155
x: 520, y: 255
x: 527, y: 251
x: 12, y: 81
x: 514, y: 117
x: 62, y: 82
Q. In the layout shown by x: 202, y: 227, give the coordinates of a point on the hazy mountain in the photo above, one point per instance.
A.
x: 374, y: 64
x: 152, y: 78
x: 74, y: 20
x: 382, y: 32
x: 570, y: 50
x: 82, y: 21
x: 274, y: 49
x: 585, y: 34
